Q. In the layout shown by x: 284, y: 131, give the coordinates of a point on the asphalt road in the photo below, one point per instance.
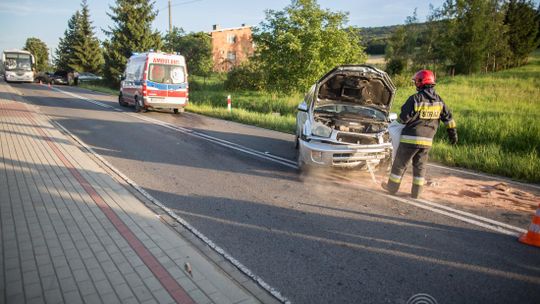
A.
x: 311, y: 238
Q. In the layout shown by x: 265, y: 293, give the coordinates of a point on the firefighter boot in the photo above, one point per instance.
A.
x: 416, y: 191
x: 391, y: 187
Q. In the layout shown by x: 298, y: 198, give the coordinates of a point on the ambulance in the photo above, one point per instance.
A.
x: 155, y: 80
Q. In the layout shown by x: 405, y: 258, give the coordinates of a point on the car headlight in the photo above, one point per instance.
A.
x: 321, y: 130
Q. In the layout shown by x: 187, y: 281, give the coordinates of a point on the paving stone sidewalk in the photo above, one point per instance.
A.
x: 69, y: 233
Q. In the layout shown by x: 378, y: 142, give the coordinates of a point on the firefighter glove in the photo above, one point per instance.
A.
x: 452, y: 135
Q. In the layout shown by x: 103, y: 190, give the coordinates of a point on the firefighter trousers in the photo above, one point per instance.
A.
x: 404, y: 155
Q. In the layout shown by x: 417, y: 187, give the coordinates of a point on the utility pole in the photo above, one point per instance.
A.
x: 170, y: 22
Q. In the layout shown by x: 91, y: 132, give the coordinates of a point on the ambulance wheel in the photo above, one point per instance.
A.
x: 138, y: 106
x: 176, y: 111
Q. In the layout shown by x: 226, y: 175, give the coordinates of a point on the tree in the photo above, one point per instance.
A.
x: 65, y: 51
x: 402, y: 45
x: 131, y: 32
x: 40, y: 51
x: 196, y: 47
x: 522, y: 22
x: 497, y: 53
x: 471, y: 28
x: 299, y: 44
x: 86, y: 55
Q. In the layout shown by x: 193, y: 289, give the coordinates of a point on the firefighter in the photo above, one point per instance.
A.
x: 421, y: 114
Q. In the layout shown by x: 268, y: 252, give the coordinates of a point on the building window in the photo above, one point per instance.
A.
x: 231, y: 56
x: 231, y: 38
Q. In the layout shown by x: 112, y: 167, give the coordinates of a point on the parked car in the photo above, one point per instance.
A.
x: 86, y: 76
x: 60, y: 77
x: 343, y: 120
x: 44, y: 77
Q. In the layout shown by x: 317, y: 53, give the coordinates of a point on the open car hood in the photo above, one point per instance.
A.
x: 356, y: 84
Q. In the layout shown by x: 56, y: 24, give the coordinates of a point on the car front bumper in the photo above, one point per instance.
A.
x: 316, y: 153
x: 59, y: 81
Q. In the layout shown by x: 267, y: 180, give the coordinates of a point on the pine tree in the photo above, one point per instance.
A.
x: 522, y: 22
x: 65, y: 50
x: 40, y: 51
x: 86, y: 53
x: 130, y: 33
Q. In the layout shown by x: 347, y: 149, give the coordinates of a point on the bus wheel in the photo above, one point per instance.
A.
x: 176, y: 111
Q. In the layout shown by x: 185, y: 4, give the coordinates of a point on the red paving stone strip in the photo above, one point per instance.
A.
x: 169, y: 283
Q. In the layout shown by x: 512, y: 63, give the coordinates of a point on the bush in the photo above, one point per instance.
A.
x: 395, y: 66
x: 247, y: 76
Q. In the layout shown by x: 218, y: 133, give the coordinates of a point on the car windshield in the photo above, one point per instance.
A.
x: 164, y: 73
x: 351, y: 109
x: 18, y: 62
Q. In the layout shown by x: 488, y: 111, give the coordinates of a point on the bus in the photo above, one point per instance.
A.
x: 18, y: 66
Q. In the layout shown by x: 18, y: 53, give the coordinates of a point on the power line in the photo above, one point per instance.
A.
x: 177, y: 4
x: 181, y: 3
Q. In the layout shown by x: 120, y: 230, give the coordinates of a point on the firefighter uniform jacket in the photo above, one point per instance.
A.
x: 422, y: 114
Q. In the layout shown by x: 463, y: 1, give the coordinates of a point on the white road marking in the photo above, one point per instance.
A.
x: 221, y: 142
x: 424, y: 204
x: 179, y: 219
x: 456, y: 214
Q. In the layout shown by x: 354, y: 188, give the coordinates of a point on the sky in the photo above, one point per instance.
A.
x: 47, y: 19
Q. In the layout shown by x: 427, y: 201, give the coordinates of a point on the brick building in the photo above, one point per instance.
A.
x: 230, y: 46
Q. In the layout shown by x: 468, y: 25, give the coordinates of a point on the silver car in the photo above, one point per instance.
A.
x: 343, y: 120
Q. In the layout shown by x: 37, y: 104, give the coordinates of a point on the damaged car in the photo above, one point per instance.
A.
x: 343, y: 120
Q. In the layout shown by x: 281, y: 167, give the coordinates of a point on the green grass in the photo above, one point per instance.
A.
x: 498, y: 116
x: 269, y: 121
x: 98, y: 87
x: 267, y: 110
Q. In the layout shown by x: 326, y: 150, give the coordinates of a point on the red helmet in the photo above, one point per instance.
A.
x: 423, y: 78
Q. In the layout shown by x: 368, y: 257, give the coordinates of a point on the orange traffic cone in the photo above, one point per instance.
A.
x: 532, y: 237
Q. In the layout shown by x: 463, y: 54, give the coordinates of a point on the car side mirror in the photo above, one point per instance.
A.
x: 303, y: 107
x: 392, y: 116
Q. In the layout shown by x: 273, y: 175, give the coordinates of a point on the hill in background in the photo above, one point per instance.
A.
x: 375, y: 38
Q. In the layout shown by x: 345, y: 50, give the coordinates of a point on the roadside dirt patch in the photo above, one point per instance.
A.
x: 498, y: 199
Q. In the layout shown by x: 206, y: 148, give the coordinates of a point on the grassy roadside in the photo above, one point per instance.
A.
x: 497, y: 114
x: 98, y: 88
x: 266, y: 110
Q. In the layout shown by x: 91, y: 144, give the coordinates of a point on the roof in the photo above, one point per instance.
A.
x: 231, y: 29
